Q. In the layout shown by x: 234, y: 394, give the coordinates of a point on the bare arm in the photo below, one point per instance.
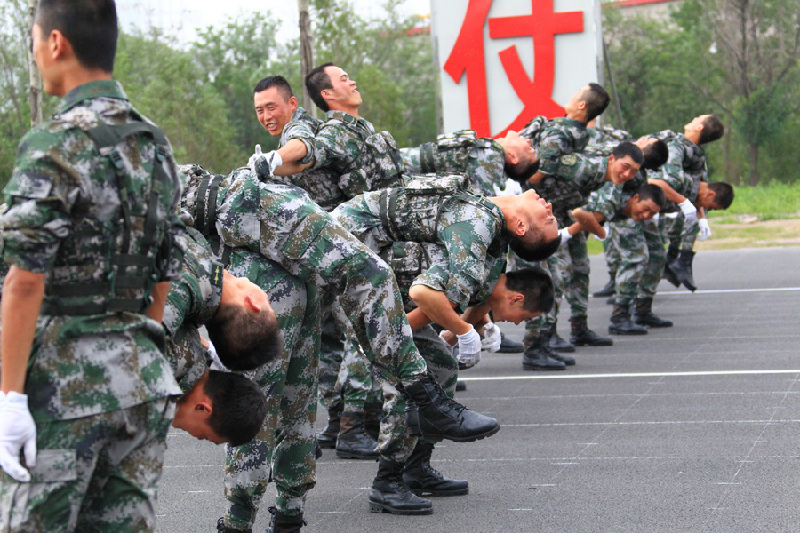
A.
x: 291, y: 153
x: 156, y: 309
x: 536, y: 178
x: 671, y: 194
x: 588, y: 221
x: 435, y: 305
x: 23, y: 293
x: 417, y: 319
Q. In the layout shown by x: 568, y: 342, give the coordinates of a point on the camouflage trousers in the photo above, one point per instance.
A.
x: 97, y: 473
x: 655, y: 235
x: 682, y: 233
x: 628, y: 245
x: 286, y: 442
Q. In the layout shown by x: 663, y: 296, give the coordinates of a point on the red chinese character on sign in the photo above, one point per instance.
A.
x: 468, y: 56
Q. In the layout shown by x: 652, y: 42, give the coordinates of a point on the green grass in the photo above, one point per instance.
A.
x: 768, y: 202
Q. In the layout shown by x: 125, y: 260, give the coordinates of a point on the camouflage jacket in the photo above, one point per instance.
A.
x: 686, y: 166
x: 607, y: 137
x: 576, y: 176
x: 470, y: 229
x: 482, y: 160
x: 322, y: 184
x: 191, y: 302
x: 557, y: 137
x: 65, y: 219
x: 363, y: 159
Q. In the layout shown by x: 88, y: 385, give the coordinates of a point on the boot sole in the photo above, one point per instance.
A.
x: 377, y: 507
x: 327, y: 445
x: 440, y: 493
x: 536, y: 367
x: 350, y: 455
x: 593, y: 343
x: 650, y: 325
x: 563, y: 349
x: 615, y: 332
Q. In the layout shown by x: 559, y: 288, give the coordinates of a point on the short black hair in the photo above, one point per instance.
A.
x: 648, y: 191
x: 90, y: 26
x: 243, y: 340
x: 713, y: 129
x: 628, y: 149
x: 724, y: 193
x: 238, y: 407
x: 596, y: 99
x: 533, y: 250
x: 275, y: 81
x: 318, y: 81
x: 655, y: 155
x: 519, y: 173
x: 536, y: 285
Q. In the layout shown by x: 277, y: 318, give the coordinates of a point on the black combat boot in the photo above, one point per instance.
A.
x: 373, y: 413
x: 682, y: 268
x: 582, y: 336
x: 284, y: 523
x: 327, y: 438
x: 669, y: 274
x: 538, y: 356
x: 222, y: 528
x: 557, y: 344
x: 621, y: 323
x: 461, y: 386
x: 431, y: 413
x: 509, y: 346
x: 607, y: 290
x: 353, y: 441
x: 390, y: 494
x: 424, y: 480
x: 555, y: 354
x: 644, y: 315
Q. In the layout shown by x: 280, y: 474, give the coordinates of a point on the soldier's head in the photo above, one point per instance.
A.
x: 648, y: 200
x: 704, y: 129
x: 714, y: 196
x: 522, y: 295
x: 332, y: 89
x: 274, y: 103
x: 654, y: 150
x: 74, y: 37
x: 624, y: 162
x: 588, y: 103
x: 244, y: 329
x: 521, y: 158
x: 222, y: 407
x: 531, y: 226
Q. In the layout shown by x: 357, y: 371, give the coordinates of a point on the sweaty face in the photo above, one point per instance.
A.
x: 539, y: 214
x: 644, y: 210
x: 344, y: 92
x: 273, y: 109
x: 622, y: 169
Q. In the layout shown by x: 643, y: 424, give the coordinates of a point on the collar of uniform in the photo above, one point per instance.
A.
x: 93, y: 89
x: 569, y: 122
x: 347, y: 118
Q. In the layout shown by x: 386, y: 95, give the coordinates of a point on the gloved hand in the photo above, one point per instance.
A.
x: 491, y: 337
x: 17, y: 430
x: 469, y: 348
x: 705, y: 230
x: 264, y: 164
x: 565, y: 236
x: 688, y: 208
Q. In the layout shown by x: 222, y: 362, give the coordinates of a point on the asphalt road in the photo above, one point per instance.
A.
x: 692, y: 428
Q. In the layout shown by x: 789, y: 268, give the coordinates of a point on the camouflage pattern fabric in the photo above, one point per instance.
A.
x: 557, y: 137
x: 483, y: 160
x: 91, y: 371
x: 655, y: 234
x: 607, y: 137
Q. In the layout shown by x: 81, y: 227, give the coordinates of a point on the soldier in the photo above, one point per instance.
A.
x: 465, y: 269
x: 576, y: 177
x: 282, y: 224
x: 344, y: 398
x: 90, y: 236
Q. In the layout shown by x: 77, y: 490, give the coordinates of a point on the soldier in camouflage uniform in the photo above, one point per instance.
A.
x: 466, y: 264
x: 282, y: 224
x: 90, y: 237
x: 344, y: 384
x: 487, y: 162
x: 577, y: 176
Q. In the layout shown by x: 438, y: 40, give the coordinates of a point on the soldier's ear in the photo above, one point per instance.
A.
x: 250, y: 305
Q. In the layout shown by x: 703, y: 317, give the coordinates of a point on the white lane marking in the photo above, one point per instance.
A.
x: 636, y: 375
x: 727, y: 291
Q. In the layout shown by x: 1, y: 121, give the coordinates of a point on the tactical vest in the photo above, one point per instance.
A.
x: 424, y: 198
x: 378, y: 165
x: 450, y: 152
x: 199, y: 203
x: 131, y: 239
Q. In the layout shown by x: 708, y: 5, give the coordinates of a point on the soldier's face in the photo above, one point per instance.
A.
x: 574, y: 104
x: 643, y: 209
x: 274, y: 110
x: 242, y: 291
x: 194, y: 421
x: 519, y: 151
x: 622, y: 169
x: 509, y: 309
x: 539, y: 214
x: 43, y: 55
x: 344, y: 92
x: 696, y: 124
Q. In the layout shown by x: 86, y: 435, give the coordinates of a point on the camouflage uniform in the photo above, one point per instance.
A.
x: 576, y: 176
x: 483, y: 160
x: 98, y: 383
x: 459, y: 237
x: 282, y: 224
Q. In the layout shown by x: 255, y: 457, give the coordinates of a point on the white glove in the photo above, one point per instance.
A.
x: 17, y: 430
x: 491, y: 337
x: 264, y: 165
x: 469, y: 348
x: 216, y: 363
x: 688, y: 208
x: 565, y: 236
x: 656, y: 217
x: 705, y: 231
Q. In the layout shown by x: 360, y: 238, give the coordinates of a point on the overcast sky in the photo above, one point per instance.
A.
x: 182, y: 16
